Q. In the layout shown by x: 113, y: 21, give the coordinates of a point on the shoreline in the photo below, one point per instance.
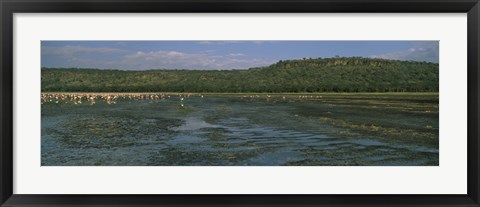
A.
x: 260, y: 93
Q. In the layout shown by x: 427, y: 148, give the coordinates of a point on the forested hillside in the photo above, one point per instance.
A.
x: 353, y: 74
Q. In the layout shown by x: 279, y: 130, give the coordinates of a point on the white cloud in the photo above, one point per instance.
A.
x: 421, y: 51
x: 75, y: 50
x: 236, y: 54
x: 181, y: 60
x: 113, y: 58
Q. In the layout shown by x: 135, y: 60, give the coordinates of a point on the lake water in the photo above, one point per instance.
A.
x: 246, y: 130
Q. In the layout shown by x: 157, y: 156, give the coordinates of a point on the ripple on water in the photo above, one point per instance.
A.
x: 185, y: 139
x: 193, y: 123
x: 212, y: 131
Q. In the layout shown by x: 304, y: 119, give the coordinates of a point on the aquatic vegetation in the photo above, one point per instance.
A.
x: 390, y: 133
x: 239, y: 129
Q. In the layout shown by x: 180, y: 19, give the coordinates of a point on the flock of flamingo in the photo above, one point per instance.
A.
x: 79, y: 98
x: 112, y: 98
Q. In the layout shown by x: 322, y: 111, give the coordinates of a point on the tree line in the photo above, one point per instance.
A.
x: 340, y: 74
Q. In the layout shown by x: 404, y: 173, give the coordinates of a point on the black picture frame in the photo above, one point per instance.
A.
x: 9, y: 7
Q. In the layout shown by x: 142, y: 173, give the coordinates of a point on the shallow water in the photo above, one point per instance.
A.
x: 238, y: 131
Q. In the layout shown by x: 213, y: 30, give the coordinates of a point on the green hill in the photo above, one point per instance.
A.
x: 353, y: 74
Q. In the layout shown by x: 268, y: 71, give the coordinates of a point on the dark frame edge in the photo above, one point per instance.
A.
x: 241, y: 200
x: 7, y: 198
x: 6, y: 99
x: 473, y: 21
x: 241, y: 6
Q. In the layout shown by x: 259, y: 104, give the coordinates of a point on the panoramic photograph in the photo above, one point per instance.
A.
x: 239, y: 103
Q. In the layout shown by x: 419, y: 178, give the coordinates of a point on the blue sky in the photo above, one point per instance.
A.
x: 204, y: 55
